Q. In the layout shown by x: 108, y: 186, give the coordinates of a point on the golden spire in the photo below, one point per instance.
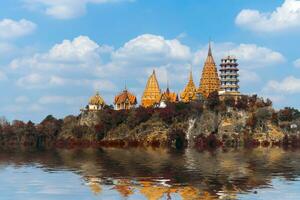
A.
x: 190, y: 92
x: 210, y: 81
x: 152, y: 92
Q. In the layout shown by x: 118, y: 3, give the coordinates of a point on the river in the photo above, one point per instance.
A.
x: 147, y: 173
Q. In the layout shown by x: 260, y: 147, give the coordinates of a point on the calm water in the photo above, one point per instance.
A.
x: 149, y: 174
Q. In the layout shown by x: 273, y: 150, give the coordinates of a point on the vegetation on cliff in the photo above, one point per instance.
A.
x: 248, y: 121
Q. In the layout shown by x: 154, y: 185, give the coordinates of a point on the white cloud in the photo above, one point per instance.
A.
x: 297, y: 63
x: 10, y: 29
x: 80, y: 52
x: 289, y: 85
x: 248, y: 76
x: 285, y: 17
x: 152, y: 49
x: 64, y: 9
x: 249, y: 56
x: 22, y: 99
x: 33, y: 80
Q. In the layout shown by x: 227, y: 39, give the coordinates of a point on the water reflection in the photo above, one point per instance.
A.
x: 147, y: 173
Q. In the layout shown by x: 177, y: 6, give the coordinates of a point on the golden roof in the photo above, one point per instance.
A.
x: 125, y: 96
x: 97, y: 100
x: 210, y: 81
x: 169, y: 96
x: 152, y: 91
x: 190, y: 91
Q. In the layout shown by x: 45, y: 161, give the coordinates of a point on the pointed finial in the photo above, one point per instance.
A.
x: 168, y: 89
x: 209, y: 48
x: 125, y: 86
x: 153, y: 71
x: 191, y: 73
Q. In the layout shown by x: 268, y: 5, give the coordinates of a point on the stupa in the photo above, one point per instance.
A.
x: 190, y: 91
x: 152, y: 92
x: 210, y: 81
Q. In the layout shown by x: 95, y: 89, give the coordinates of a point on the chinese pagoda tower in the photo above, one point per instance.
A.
x: 152, y: 92
x: 229, y: 75
x: 190, y: 91
x: 210, y: 81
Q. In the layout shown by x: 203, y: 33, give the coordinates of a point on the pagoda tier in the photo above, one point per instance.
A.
x: 190, y: 91
x: 210, y: 81
x: 152, y: 92
x: 229, y: 75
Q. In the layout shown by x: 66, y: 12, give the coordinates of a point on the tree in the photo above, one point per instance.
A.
x: 229, y: 101
x: 213, y: 100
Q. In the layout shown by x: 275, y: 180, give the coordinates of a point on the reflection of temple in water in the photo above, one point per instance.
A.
x: 167, y: 174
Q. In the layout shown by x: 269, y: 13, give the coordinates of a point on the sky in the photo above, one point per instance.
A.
x: 55, y: 54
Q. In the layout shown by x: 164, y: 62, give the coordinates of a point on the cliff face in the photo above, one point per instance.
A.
x: 231, y: 127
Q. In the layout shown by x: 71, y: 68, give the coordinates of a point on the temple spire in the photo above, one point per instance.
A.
x: 190, y: 92
x: 209, y: 49
x: 210, y: 81
x: 152, y: 91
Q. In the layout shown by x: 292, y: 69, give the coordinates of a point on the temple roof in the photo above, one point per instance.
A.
x: 168, y: 96
x: 96, y: 100
x: 125, y: 96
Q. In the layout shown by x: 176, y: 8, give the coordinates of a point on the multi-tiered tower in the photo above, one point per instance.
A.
x: 210, y: 81
x: 152, y: 92
x: 190, y: 91
x: 229, y: 75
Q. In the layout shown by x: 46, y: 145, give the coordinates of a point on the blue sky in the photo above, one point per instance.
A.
x: 55, y: 54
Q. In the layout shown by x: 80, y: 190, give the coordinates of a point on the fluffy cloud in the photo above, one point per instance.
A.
x: 289, y: 85
x: 80, y: 52
x: 10, y: 29
x: 297, y: 63
x: 80, y: 62
x: 64, y: 9
x: 285, y: 17
x: 250, y: 56
x: 152, y: 48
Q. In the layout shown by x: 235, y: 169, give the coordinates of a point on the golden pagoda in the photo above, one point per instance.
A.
x: 152, y: 92
x: 190, y: 91
x: 96, y: 103
x: 210, y: 81
x: 125, y: 100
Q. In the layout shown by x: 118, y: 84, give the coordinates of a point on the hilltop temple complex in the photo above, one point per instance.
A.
x: 227, y: 84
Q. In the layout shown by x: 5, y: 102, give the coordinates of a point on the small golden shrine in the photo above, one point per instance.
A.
x: 210, y: 81
x: 152, y: 92
x: 190, y: 91
x: 125, y: 100
x: 96, y: 103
